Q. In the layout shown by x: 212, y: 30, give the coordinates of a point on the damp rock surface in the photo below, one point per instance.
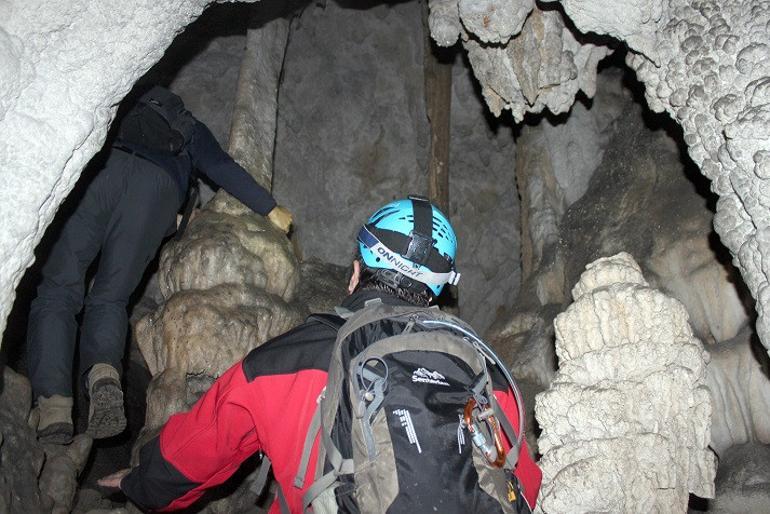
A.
x: 228, y: 244
x: 206, y: 331
x: 21, y: 457
x: 359, y: 138
x: 706, y: 65
x: 740, y: 394
x: 626, y: 419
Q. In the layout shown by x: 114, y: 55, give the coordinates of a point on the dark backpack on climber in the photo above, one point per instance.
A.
x: 408, y: 421
x: 158, y: 122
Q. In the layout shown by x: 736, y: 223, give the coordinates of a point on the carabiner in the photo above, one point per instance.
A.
x: 495, y: 455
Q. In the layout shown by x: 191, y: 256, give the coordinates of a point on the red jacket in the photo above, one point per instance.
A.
x: 263, y: 403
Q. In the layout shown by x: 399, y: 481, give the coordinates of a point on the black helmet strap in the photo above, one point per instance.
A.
x: 421, y: 238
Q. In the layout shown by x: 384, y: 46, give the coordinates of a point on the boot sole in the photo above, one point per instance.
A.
x: 106, y: 416
x: 57, y: 433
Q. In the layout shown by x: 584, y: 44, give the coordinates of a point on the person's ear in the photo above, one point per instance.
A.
x: 355, y: 277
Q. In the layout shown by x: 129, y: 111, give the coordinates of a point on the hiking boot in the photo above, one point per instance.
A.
x: 106, y: 417
x: 52, y: 418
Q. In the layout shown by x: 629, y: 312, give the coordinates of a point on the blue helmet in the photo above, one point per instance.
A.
x: 413, y: 238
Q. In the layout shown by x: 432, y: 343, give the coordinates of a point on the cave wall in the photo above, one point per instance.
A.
x: 705, y: 63
x: 90, y: 54
x: 202, y: 64
x: 65, y: 69
x: 352, y: 140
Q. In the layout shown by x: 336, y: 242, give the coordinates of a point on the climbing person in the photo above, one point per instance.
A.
x: 125, y: 213
x: 387, y: 405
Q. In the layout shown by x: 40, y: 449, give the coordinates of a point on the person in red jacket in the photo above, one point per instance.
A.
x: 266, y: 402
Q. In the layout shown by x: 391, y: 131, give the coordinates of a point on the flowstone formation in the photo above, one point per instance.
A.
x: 707, y: 64
x: 525, y: 58
x: 626, y: 420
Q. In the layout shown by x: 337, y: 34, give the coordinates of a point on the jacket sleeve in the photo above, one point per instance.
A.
x: 208, y: 157
x: 526, y: 471
x: 196, y: 450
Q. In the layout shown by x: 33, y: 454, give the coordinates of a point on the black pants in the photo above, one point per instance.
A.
x: 125, y: 212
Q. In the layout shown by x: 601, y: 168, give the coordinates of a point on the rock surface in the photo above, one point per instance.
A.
x: 59, y: 478
x: 359, y: 137
x: 626, y: 420
x: 543, y: 65
x: 706, y: 64
x: 65, y: 69
x: 742, y: 484
x: 740, y: 394
x: 21, y: 457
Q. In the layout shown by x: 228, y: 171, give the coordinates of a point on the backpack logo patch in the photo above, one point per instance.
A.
x: 406, y: 422
x: 429, y: 377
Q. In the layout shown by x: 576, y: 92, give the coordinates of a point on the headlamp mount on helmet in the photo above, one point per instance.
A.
x: 421, y: 238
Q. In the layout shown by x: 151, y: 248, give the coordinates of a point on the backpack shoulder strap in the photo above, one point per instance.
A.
x: 332, y: 321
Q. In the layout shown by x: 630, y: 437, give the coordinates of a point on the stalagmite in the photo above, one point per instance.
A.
x: 626, y: 420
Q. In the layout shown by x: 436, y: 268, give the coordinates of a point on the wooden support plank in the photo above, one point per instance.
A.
x: 438, y: 102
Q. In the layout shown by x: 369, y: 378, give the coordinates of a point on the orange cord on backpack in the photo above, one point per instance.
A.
x: 495, y: 455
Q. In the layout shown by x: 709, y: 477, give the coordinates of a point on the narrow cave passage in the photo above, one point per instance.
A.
x: 532, y: 203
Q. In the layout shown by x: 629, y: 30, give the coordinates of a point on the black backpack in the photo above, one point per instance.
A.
x: 158, y: 122
x: 408, y: 421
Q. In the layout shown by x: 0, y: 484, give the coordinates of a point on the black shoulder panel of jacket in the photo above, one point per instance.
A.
x: 155, y: 483
x: 308, y: 346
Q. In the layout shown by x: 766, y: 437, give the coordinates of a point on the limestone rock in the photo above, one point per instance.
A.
x: 444, y: 22
x: 88, y: 501
x: 207, y: 331
x: 375, y: 149
x: 323, y: 286
x: 626, y: 419
x: 227, y: 244
x: 21, y: 457
x: 742, y: 484
x: 555, y: 161
x: 710, y: 289
x: 16, y: 394
x: 358, y: 137
x: 484, y: 205
x: 169, y: 392
x: 634, y: 21
x: 706, y: 65
x: 494, y: 21
x: 59, y: 478
x: 740, y: 394
x: 65, y: 69
x: 543, y: 66
x: 627, y: 207
x: 525, y: 343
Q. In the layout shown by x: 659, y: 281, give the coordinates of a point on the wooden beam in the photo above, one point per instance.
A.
x: 438, y: 102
